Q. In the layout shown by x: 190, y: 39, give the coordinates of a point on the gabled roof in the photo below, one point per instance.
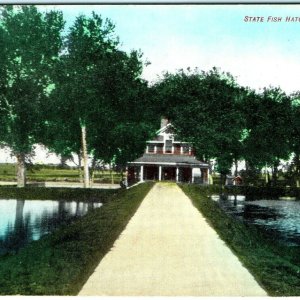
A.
x: 165, y: 128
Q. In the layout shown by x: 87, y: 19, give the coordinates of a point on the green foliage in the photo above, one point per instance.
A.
x: 275, y: 266
x: 60, y: 263
x: 203, y: 107
x: 268, y: 122
x: 251, y: 176
x: 228, y: 123
x: 49, y: 89
x: 98, y: 86
x: 45, y: 173
x: 31, y: 44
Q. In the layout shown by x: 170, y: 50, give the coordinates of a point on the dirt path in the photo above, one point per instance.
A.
x: 168, y: 249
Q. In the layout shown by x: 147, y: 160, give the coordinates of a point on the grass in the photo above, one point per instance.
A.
x: 60, y: 263
x: 42, y: 173
x: 275, y: 266
x: 47, y: 193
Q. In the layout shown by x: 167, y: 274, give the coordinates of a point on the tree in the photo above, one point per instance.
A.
x: 294, y: 168
x: 99, y: 96
x: 203, y: 108
x: 2, y: 82
x: 31, y: 43
x: 268, y: 118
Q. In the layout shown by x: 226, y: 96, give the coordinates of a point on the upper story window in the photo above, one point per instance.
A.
x: 159, y: 149
x: 177, y: 149
x: 151, y: 148
x: 185, y: 149
x: 168, y: 146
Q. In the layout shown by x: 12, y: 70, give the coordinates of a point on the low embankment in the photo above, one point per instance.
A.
x: 255, y: 193
x: 60, y: 263
x: 275, y: 266
x: 47, y: 193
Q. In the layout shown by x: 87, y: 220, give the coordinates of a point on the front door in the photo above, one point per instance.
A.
x: 168, y: 173
x: 151, y: 173
x: 186, y: 174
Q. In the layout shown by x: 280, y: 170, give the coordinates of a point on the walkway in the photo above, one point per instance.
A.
x: 168, y: 249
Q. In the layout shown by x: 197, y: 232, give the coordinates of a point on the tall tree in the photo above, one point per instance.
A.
x: 3, y: 75
x: 268, y: 118
x: 203, y: 108
x: 31, y: 45
x: 99, y: 94
x: 294, y: 168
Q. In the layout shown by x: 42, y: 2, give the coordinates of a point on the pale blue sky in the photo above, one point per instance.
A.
x: 180, y: 36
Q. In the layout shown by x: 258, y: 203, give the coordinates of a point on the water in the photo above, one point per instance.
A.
x: 23, y: 221
x: 281, y: 218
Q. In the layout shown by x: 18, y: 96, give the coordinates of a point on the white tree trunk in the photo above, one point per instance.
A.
x: 112, y: 175
x: 21, y: 170
x: 266, y: 174
x: 79, y: 168
x: 86, y: 179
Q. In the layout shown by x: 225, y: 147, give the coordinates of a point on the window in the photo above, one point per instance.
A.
x: 168, y: 146
x: 150, y: 148
x: 177, y: 149
x: 159, y: 149
x: 185, y: 149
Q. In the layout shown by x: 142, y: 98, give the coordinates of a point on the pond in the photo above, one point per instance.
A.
x: 23, y: 221
x: 281, y: 218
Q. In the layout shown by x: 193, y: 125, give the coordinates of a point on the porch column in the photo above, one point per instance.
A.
x: 159, y: 173
x: 207, y: 180
x: 142, y: 173
x: 177, y: 174
x: 193, y: 179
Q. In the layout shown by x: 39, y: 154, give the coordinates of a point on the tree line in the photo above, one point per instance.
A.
x: 229, y: 123
x: 75, y: 91
x: 72, y: 90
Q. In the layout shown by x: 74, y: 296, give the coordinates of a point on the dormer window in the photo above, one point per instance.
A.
x: 168, y: 146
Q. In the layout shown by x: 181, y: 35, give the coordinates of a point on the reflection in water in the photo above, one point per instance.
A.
x: 22, y: 221
x: 281, y: 218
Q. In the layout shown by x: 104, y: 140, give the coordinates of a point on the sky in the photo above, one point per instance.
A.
x: 172, y: 37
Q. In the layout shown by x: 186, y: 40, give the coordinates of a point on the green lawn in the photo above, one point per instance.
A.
x: 52, y: 173
x: 275, y: 266
x: 60, y: 263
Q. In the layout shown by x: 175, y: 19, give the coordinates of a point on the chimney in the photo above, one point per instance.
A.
x: 164, y: 122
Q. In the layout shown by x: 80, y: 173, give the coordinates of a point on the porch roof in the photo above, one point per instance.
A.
x: 165, y: 159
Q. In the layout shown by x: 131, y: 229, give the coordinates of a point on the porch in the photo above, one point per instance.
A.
x: 159, y: 172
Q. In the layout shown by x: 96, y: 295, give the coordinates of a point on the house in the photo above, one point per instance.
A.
x: 238, y: 180
x: 168, y: 159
